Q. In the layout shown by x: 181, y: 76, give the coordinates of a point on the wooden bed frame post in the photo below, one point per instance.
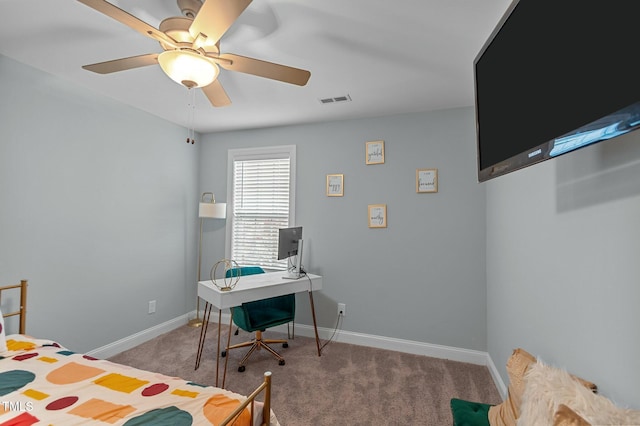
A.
x: 22, y: 312
x: 266, y: 409
x: 23, y: 307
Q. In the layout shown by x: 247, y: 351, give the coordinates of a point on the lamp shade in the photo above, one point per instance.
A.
x: 213, y: 210
x: 188, y: 68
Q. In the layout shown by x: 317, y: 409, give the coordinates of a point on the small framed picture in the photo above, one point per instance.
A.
x: 377, y: 215
x: 427, y: 180
x: 375, y: 152
x: 335, y: 185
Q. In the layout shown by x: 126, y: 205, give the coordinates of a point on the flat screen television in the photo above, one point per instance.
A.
x: 554, y: 76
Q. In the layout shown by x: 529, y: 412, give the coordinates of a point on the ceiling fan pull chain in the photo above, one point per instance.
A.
x: 191, y: 108
x: 188, y: 118
x: 193, y: 115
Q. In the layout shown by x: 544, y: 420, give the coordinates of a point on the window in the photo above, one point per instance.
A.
x: 262, y: 189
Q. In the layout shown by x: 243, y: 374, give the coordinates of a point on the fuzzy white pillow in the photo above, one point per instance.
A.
x: 548, y: 387
x: 3, y: 337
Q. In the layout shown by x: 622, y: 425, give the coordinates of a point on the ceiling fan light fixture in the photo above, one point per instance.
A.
x: 188, y: 68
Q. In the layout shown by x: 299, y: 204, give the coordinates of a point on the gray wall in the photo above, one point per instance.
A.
x: 563, y: 239
x: 98, y: 210
x: 423, y: 277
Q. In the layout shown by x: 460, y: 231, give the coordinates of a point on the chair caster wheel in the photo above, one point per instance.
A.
x: 223, y: 354
x: 285, y: 345
x: 241, y: 368
x: 281, y: 362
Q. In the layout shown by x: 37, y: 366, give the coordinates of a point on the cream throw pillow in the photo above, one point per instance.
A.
x: 548, y: 387
x: 507, y: 413
x: 565, y: 416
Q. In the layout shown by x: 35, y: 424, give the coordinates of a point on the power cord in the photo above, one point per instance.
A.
x: 335, y: 329
x: 291, y: 266
x: 338, y: 319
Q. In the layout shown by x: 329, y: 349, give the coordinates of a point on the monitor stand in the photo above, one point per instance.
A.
x: 292, y: 275
x: 295, y: 273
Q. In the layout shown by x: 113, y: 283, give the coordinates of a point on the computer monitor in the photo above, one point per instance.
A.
x: 288, y: 241
x: 290, y: 244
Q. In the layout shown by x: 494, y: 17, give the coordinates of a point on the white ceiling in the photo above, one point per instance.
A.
x: 390, y: 57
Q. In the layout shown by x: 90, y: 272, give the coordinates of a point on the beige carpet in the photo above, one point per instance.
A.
x: 347, y: 385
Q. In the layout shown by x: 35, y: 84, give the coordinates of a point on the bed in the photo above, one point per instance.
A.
x: 42, y: 382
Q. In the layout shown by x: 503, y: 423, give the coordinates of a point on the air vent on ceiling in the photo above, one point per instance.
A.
x: 343, y: 98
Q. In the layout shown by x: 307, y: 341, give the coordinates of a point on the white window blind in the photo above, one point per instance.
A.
x: 261, y: 205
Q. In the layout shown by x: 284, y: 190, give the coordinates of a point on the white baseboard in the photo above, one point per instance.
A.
x: 393, y: 344
x: 136, y: 339
x: 370, y: 340
x: 495, y: 375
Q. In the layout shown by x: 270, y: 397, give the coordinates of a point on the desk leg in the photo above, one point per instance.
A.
x: 315, y: 326
x: 203, y: 333
x: 218, y: 348
x: 226, y: 359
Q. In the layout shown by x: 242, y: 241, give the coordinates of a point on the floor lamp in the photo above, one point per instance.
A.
x: 208, y: 209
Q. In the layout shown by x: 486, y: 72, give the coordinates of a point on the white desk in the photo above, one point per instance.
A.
x: 248, y: 289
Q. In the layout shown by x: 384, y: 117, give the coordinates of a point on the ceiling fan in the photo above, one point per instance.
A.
x: 191, y: 47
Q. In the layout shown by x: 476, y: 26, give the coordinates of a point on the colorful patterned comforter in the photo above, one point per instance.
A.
x: 42, y: 383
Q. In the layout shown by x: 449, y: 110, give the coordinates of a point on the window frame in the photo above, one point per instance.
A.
x: 258, y: 153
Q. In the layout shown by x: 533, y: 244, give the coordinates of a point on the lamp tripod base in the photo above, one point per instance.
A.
x: 196, y: 322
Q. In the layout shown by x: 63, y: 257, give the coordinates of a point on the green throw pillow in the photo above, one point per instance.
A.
x: 467, y: 413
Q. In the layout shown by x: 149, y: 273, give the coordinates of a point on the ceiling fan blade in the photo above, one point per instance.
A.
x: 129, y: 20
x: 265, y: 69
x: 215, y: 17
x: 216, y: 94
x: 123, y: 64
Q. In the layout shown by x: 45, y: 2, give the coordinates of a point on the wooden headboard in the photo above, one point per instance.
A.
x: 22, y: 312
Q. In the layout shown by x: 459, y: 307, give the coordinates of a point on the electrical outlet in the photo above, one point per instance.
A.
x: 342, y: 309
x: 152, y: 306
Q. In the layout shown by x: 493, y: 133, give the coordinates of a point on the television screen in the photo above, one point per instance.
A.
x: 288, y: 241
x: 554, y: 76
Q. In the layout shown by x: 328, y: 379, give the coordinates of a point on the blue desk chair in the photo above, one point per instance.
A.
x: 259, y: 315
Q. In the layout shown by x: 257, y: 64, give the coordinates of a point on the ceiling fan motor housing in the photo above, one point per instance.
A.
x: 177, y: 28
x: 189, y: 8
